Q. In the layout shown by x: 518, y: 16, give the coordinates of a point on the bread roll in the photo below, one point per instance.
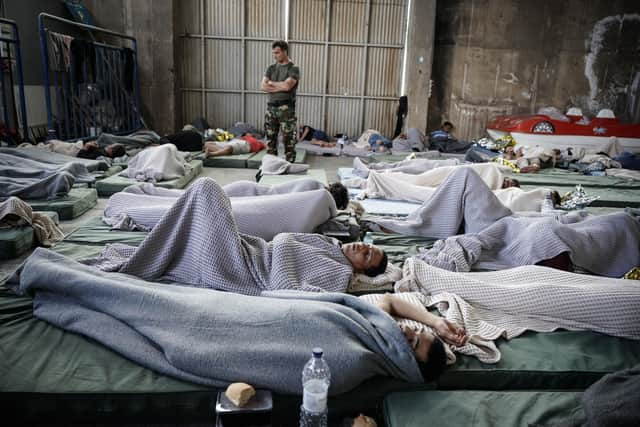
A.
x: 239, y: 393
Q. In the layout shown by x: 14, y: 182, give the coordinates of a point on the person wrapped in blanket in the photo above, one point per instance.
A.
x: 479, y: 232
x: 197, y: 243
x: 245, y: 144
x: 82, y: 149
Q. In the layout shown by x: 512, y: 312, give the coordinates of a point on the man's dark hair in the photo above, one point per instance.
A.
x: 436, y: 361
x: 117, y: 150
x: 447, y: 124
x: 380, y: 268
x: 281, y: 44
x: 516, y: 183
x: 340, y: 194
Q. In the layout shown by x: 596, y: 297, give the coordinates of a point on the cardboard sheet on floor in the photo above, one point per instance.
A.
x: 75, y: 203
x: 435, y: 408
x: 15, y: 241
x: 115, y: 183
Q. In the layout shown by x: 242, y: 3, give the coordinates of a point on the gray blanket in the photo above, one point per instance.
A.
x: 508, y: 302
x: 213, y: 337
x: 261, y: 216
x: 273, y: 165
x: 608, y: 245
x: 613, y: 400
x: 133, y: 143
x: 462, y: 203
x: 160, y: 163
x: 197, y: 242
x: 29, y: 179
x: 45, y: 156
x: 250, y: 188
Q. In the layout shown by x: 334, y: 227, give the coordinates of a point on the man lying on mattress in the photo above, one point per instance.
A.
x: 299, y: 206
x: 389, y: 184
x: 188, y: 247
x: 497, y: 238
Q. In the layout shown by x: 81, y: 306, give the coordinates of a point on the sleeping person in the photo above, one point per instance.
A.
x: 315, y: 136
x: 198, y: 242
x: 82, y: 149
x: 298, y: 206
x: 241, y: 145
x: 420, y: 188
x: 480, y: 232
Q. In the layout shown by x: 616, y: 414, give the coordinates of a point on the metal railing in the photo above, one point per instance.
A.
x: 90, y: 86
x: 10, y: 79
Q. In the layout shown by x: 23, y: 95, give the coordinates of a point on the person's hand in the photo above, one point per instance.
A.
x: 91, y: 144
x: 450, y: 333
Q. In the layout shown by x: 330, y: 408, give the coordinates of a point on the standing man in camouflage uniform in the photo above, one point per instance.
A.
x: 280, y: 82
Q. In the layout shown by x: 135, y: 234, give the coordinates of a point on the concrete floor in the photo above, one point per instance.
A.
x: 221, y: 175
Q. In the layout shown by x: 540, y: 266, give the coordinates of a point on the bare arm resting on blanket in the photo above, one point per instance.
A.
x: 398, y: 307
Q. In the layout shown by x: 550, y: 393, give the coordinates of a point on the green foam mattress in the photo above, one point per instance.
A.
x: 116, y: 183
x: 75, y: 203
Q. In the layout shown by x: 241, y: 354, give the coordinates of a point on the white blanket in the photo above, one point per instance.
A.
x: 141, y: 207
x: 509, y: 302
x: 420, y: 188
x: 14, y: 213
x: 161, y: 163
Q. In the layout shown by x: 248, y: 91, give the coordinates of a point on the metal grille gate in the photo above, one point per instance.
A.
x: 12, y: 115
x: 90, y: 87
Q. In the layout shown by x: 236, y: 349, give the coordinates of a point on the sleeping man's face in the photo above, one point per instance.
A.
x: 420, y: 342
x: 362, y: 256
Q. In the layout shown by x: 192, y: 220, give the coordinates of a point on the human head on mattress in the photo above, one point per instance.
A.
x: 425, y: 332
x: 366, y: 259
x: 340, y: 194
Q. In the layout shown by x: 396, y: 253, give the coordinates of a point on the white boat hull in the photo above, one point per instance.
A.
x: 591, y: 143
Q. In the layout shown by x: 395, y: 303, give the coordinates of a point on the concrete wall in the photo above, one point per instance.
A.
x: 152, y: 23
x: 503, y: 56
x: 419, y: 61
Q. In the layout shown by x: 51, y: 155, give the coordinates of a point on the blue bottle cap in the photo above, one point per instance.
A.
x: 317, y: 352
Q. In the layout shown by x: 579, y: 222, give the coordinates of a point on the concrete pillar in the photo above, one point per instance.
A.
x: 420, y: 40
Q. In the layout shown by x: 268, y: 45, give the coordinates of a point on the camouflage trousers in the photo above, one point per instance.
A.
x: 281, y: 118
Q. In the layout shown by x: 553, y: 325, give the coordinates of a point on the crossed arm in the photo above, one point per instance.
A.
x: 397, y: 307
x: 269, y: 86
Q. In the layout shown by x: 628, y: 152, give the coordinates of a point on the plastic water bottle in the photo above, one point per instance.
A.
x: 547, y: 204
x: 316, y: 378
